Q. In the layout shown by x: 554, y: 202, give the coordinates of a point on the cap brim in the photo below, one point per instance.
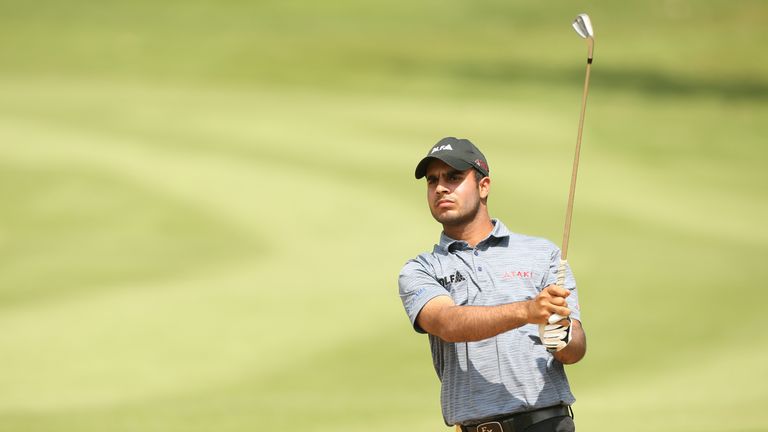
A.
x: 461, y: 165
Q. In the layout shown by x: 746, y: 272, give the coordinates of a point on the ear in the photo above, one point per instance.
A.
x: 484, y: 186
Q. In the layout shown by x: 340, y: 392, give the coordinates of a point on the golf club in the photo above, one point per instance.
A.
x: 583, y: 27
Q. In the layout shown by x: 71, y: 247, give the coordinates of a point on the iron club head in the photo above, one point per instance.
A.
x: 583, y: 26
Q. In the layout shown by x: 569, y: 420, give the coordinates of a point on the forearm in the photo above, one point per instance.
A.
x: 474, y: 323
x: 576, y: 349
x: 441, y: 317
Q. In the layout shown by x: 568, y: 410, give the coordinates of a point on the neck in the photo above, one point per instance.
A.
x: 472, y: 232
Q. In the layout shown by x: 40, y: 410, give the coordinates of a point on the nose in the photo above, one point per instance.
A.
x: 441, y: 189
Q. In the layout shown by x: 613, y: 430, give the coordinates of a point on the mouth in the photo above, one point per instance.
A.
x: 443, y: 203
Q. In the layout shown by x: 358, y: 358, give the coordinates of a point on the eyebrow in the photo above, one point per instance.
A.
x: 453, y: 172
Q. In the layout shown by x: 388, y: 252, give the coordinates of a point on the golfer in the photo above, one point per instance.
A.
x: 485, y: 295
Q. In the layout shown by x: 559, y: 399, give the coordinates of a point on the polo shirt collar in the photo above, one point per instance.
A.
x: 499, y: 231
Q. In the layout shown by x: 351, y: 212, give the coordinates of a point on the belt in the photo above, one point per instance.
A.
x: 518, y: 422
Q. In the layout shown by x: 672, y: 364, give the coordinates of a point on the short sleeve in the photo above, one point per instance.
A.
x: 570, y: 282
x: 417, y: 287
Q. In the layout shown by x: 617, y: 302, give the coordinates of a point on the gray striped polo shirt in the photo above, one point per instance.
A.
x: 511, y: 372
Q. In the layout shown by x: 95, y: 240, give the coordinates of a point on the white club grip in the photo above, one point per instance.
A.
x: 561, y: 283
x: 561, y: 273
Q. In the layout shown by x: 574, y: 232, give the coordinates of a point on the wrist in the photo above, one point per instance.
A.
x: 529, y: 311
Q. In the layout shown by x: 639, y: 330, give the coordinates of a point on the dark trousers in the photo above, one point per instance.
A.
x: 555, y: 424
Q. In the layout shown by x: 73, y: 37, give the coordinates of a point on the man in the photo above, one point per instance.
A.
x: 484, y: 296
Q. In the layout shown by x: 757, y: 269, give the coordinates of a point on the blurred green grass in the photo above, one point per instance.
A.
x: 206, y: 204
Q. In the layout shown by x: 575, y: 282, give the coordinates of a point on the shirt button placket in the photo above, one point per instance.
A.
x: 482, y: 278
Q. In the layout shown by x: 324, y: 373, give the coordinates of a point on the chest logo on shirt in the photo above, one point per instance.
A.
x: 516, y: 274
x: 445, y: 281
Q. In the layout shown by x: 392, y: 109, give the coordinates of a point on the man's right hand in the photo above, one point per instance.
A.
x: 551, y: 300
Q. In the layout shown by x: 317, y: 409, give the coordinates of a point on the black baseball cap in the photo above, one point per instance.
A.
x: 459, y: 153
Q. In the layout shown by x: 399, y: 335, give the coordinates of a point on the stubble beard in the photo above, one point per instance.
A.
x: 454, y: 218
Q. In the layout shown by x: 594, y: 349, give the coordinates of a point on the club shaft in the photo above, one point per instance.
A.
x: 574, y: 173
x: 569, y: 208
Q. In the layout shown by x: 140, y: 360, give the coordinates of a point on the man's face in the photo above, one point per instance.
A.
x: 454, y: 196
